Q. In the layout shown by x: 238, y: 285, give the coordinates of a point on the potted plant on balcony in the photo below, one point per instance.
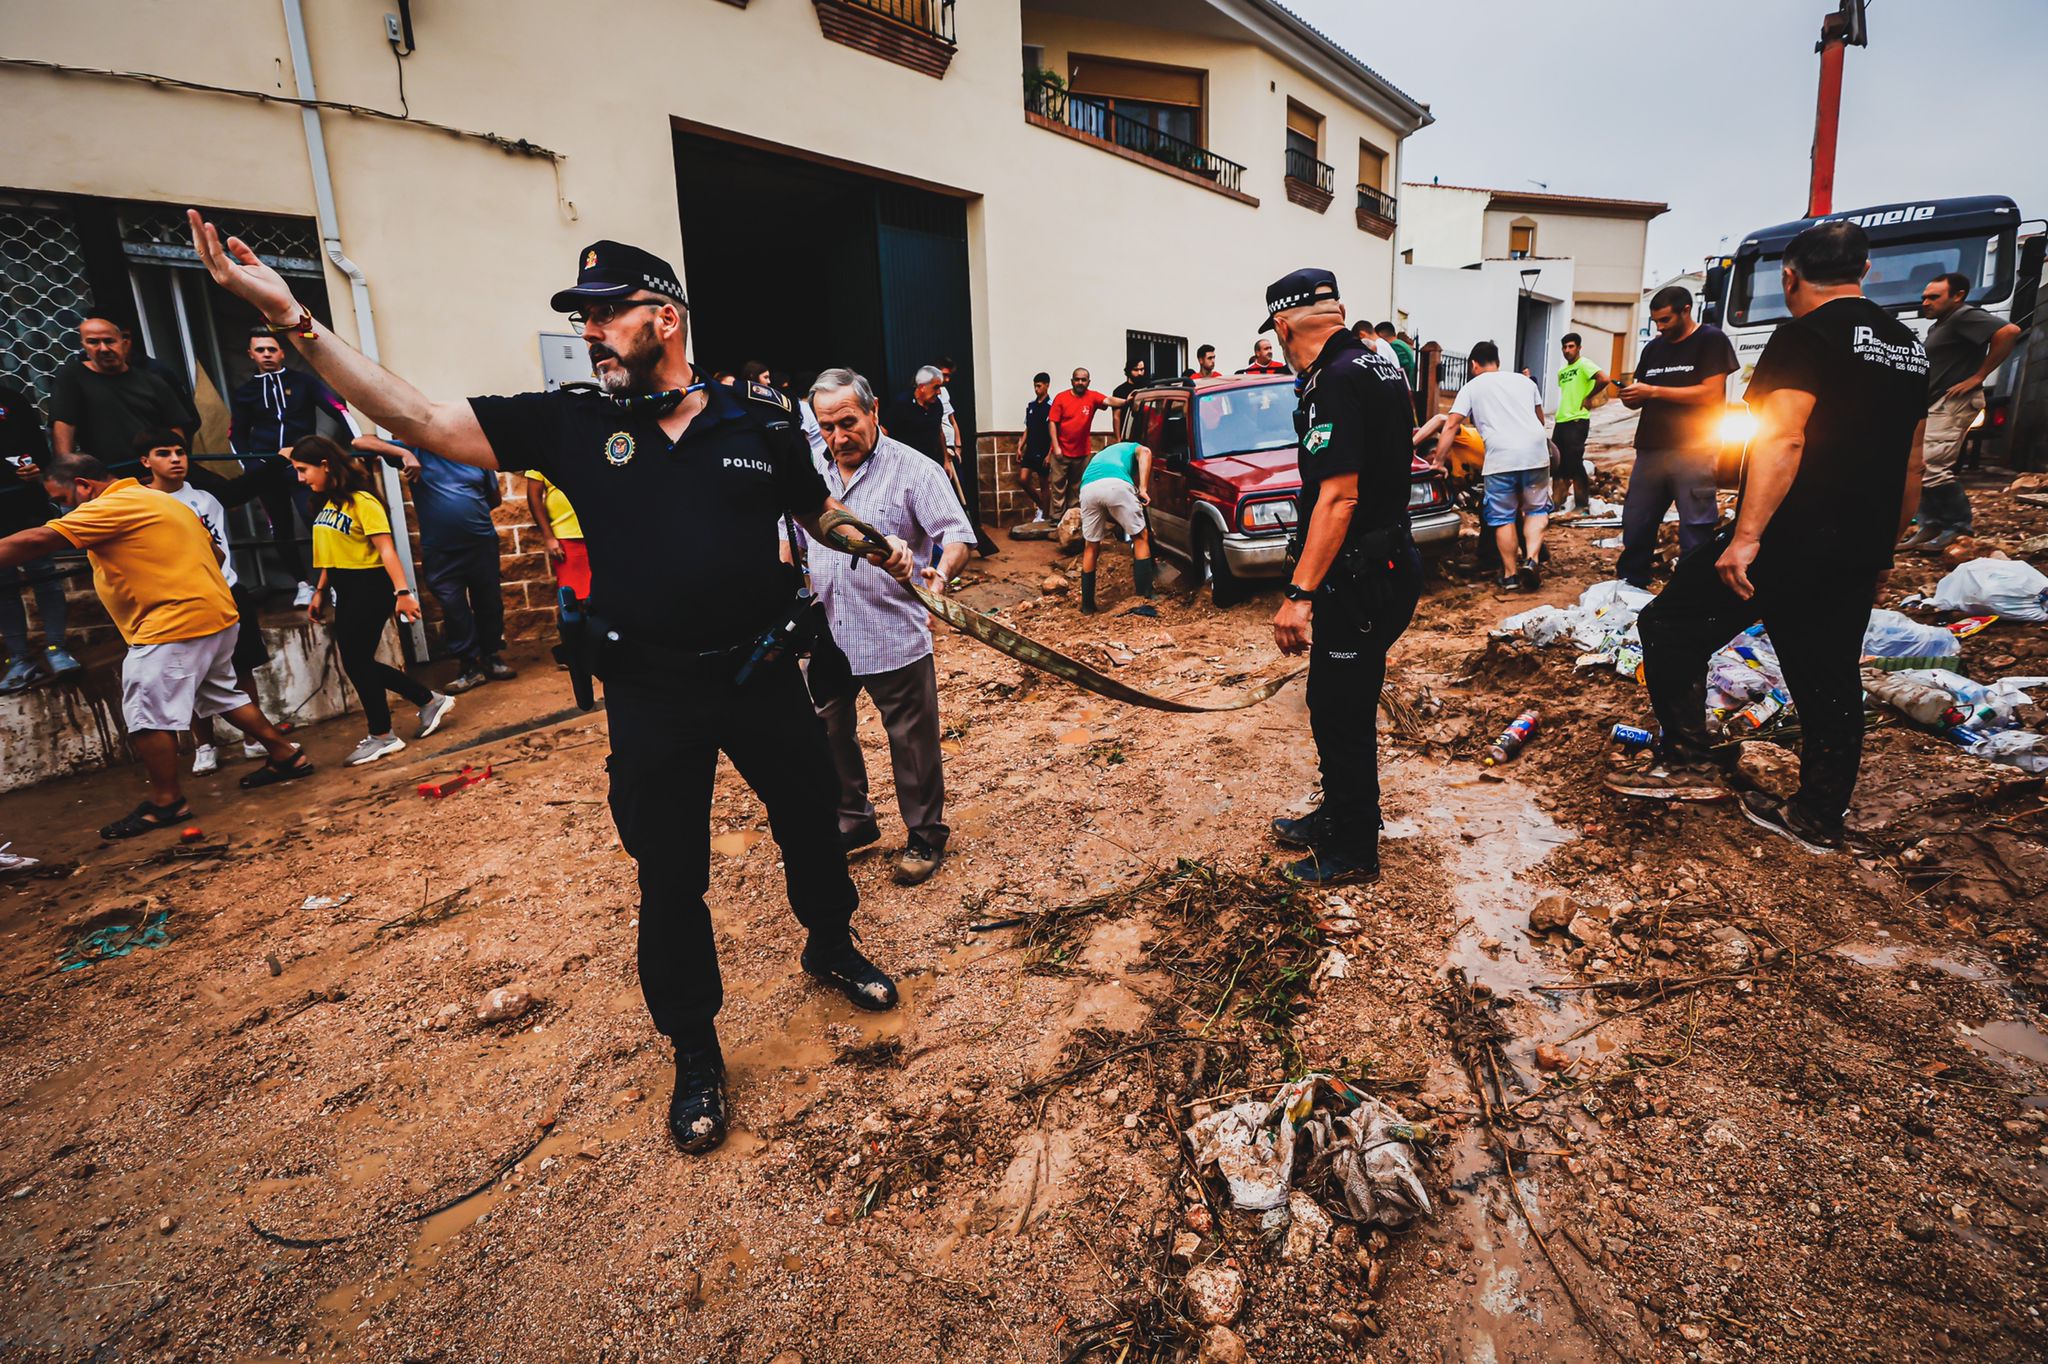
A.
x: 1045, y: 92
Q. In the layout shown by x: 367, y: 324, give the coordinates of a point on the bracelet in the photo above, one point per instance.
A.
x: 302, y: 325
x: 401, y: 592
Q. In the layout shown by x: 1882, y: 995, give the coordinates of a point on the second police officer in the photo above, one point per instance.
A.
x: 681, y: 487
x: 1357, y: 576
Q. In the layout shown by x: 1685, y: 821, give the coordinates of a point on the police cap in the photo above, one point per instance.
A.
x: 613, y: 270
x: 1297, y: 290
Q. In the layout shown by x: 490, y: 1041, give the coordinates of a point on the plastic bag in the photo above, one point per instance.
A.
x: 2005, y: 587
x: 2014, y: 747
x: 1891, y: 635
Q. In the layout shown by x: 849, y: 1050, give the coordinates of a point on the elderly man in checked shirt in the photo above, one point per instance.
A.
x: 886, y: 633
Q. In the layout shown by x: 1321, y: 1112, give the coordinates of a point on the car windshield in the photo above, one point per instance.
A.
x: 1898, y: 272
x: 1239, y: 420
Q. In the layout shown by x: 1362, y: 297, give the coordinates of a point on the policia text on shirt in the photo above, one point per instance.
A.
x: 680, y: 487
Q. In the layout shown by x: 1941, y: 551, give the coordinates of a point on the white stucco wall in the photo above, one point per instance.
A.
x: 1455, y: 308
x: 1442, y: 226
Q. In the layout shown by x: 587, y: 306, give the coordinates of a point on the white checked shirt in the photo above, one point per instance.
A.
x: 899, y: 492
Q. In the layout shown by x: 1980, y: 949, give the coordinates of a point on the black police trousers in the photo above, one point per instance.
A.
x: 1816, y: 613
x: 1353, y: 628
x: 666, y: 734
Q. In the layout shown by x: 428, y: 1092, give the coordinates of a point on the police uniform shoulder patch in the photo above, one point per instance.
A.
x: 762, y: 393
x: 618, y: 450
x: 1317, y: 438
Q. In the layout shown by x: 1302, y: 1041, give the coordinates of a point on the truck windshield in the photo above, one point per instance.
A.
x: 1898, y: 272
x: 1245, y: 419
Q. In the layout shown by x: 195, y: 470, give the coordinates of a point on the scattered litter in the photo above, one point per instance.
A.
x: 192, y: 834
x: 1512, y: 739
x: 2004, y: 587
x: 1891, y: 635
x: 116, y: 940
x: 1600, y: 514
x: 1608, y: 542
x: 1147, y: 611
x: 13, y: 862
x: 1602, y: 626
x: 467, y: 777
x: 1970, y: 625
x: 1365, y: 1147
x: 325, y: 901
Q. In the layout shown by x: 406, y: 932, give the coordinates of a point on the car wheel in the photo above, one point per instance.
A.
x: 1225, y: 587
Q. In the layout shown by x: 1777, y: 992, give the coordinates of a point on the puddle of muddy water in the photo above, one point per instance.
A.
x: 1890, y: 956
x: 2009, y: 1041
x: 736, y: 842
x: 1494, y: 834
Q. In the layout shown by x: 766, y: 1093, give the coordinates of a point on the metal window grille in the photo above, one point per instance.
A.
x: 926, y: 16
x: 1093, y: 116
x: 45, y: 291
x: 1305, y: 168
x: 1455, y: 372
x: 289, y: 246
x: 1376, y: 203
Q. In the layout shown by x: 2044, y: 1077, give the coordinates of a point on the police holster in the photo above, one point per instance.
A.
x: 578, y: 649
x: 1369, y: 568
x: 829, y: 674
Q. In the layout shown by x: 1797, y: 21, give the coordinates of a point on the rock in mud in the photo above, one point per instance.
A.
x: 1068, y: 533
x: 1769, y: 768
x: 1186, y: 1246
x: 1550, y: 1056
x: 1053, y: 583
x: 503, y: 1004
x: 1593, y: 933
x: 1221, y: 1345
x: 1730, y: 950
x: 1308, y: 1227
x: 1032, y: 530
x: 1552, y: 912
x: 1215, y: 1294
x: 1918, y: 1226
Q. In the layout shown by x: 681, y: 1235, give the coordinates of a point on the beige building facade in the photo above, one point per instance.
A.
x: 875, y: 182
x: 1457, y: 227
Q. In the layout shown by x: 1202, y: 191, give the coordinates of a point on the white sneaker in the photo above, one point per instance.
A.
x: 304, y: 596
x: 205, y: 759
x: 374, y: 747
x: 252, y: 749
x: 1038, y: 517
x: 435, y: 711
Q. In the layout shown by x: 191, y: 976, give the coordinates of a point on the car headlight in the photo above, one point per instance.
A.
x: 1271, y: 515
x: 1738, y: 427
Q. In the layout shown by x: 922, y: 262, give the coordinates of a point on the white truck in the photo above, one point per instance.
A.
x: 1982, y: 237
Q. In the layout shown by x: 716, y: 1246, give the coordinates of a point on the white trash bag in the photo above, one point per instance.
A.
x: 2004, y: 587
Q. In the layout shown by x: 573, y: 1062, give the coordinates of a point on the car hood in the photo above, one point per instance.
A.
x: 1257, y: 471
x: 1274, y: 471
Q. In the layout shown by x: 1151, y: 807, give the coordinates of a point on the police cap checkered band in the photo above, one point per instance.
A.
x: 1297, y: 290
x: 612, y: 270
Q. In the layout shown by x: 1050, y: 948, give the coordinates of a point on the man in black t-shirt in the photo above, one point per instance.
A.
x: 1680, y: 388
x: 1357, y: 575
x: 681, y: 488
x: 916, y: 418
x: 1832, y: 476
x: 1035, y: 447
x: 1134, y: 379
x: 24, y: 454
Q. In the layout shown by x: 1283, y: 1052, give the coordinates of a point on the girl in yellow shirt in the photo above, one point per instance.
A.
x: 357, y: 561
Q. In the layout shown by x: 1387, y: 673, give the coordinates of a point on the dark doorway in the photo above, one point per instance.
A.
x: 803, y: 266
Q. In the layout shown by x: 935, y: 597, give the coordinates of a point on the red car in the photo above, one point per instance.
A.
x: 1225, y: 489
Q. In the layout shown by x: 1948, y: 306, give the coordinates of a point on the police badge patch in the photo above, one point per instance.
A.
x: 1317, y: 438
x: 619, y: 449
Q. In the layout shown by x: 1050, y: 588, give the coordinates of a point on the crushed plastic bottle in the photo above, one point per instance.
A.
x: 1513, y: 738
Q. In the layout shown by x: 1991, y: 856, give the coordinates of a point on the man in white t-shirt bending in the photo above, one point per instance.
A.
x: 1508, y: 410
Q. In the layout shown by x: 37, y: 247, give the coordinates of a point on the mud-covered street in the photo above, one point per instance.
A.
x: 1758, y: 1104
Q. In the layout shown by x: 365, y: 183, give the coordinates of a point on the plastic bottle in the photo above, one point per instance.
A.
x: 1757, y: 713
x: 1513, y: 737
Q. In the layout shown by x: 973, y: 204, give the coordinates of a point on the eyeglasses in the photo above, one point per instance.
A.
x: 603, y: 313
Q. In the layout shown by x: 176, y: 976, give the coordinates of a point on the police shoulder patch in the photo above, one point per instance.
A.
x: 1317, y: 437
x: 762, y: 393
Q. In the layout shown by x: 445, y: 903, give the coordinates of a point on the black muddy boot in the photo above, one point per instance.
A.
x: 1141, y: 576
x: 1088, y: 593
x: 696, y: 1113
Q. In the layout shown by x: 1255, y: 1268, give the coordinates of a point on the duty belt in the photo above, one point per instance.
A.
x: 869, y: 543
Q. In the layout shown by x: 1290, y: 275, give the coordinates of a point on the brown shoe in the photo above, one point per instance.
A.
x: 916, y: 863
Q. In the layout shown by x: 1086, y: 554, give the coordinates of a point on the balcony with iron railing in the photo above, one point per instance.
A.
x: 913, y: 33
x: 1375, y: 212
x: 1093, y: 120
x: 1309, y: 181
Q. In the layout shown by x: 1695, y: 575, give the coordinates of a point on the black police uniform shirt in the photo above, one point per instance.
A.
x: 1681, y: 364
x: 272, y: 411
x: 1868, y: 376
x: 1355, y: 418
x: 22, y: 504
x: 684, y: 542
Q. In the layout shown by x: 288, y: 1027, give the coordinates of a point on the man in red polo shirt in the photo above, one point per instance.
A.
x: 1071, y: 416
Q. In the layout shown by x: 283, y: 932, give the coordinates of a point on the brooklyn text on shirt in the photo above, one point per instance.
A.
x: 334, y: 518
x: 1899, y: 355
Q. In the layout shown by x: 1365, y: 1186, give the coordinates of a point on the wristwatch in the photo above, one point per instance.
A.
x: 1298, y: 593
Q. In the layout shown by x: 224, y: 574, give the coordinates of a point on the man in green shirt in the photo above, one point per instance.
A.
x: 1578, y: 379
x: 1115, y: 490
x: 1403, y: 352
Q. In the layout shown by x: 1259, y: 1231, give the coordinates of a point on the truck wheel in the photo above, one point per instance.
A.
x: 1225, y: 587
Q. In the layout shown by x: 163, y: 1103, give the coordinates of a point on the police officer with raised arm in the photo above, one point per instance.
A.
x: 681, y: 487
x: 1357, y: 576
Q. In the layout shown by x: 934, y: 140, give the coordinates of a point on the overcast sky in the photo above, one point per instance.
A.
x: 1708, y: 105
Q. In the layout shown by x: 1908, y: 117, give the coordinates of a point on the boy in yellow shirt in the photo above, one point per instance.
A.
x: 159, y: 576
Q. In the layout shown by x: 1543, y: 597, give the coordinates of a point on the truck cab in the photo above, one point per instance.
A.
x: 1225, y: 488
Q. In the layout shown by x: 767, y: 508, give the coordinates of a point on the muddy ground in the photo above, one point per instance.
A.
x: 1801, y: 1115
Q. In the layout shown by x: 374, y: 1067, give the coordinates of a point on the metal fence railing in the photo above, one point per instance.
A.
x: 1094, y: 117
x: 927, y: 16
x: 1378, y: 204
x: 1305, y: 168
x: 1453, y: 371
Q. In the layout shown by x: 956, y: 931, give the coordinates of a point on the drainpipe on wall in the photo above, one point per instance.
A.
x: 1394, y: 253
x: 358, y: 286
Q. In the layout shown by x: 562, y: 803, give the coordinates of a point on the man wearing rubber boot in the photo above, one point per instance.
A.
x: 681, y: 488
x: 1831, y: 477
x: 1358, y: 575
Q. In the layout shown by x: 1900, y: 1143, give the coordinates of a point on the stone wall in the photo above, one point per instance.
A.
x: 1003, y: 499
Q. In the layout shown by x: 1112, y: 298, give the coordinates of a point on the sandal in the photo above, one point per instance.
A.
x: 270, y: 774
x: 145, y: 817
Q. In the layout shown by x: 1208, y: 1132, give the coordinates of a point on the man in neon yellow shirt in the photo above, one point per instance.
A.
x: 1578, y: 380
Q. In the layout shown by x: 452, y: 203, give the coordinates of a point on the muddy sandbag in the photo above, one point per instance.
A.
x: 1369, y: 1157
x: 1362, y: 1145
